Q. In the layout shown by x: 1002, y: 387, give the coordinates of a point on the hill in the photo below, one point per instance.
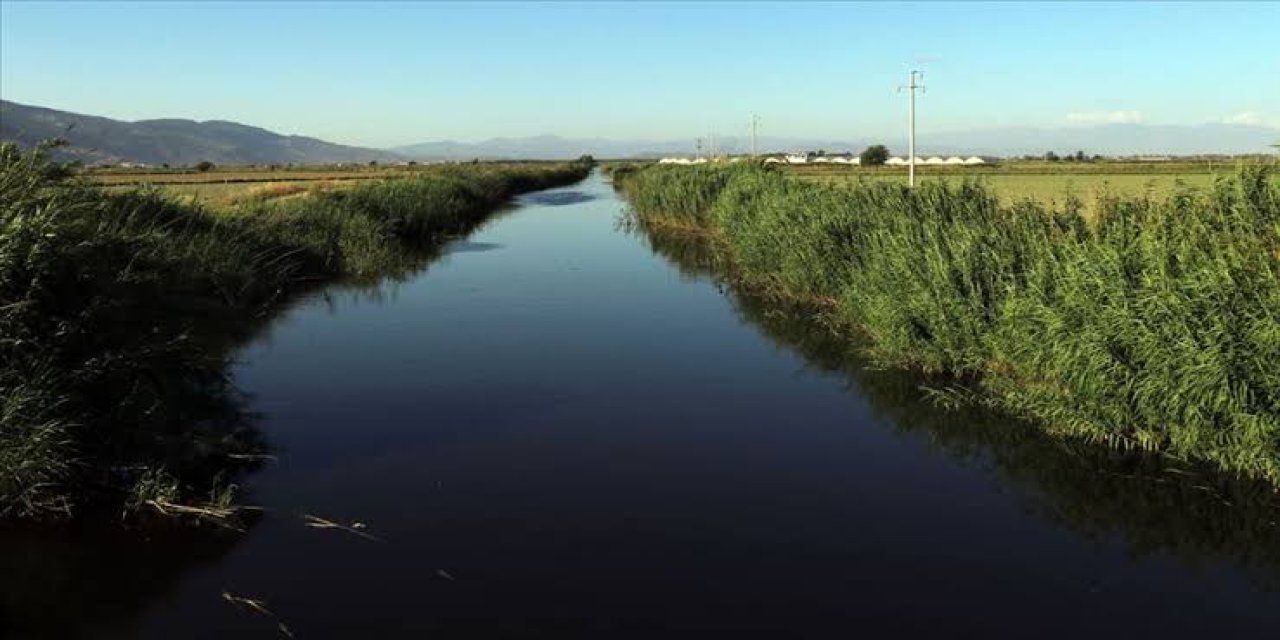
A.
x: 95, y: 140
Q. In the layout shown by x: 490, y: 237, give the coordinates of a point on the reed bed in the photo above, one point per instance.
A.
x: 119, y: 312
x: 1150, y: 324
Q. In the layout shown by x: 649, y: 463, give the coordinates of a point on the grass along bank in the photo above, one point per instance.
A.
x: 1152, y: 323
x: 119, y: 312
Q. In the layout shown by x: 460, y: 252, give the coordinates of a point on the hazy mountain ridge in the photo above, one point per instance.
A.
x: 95, y: 139
x: 1107, y: 139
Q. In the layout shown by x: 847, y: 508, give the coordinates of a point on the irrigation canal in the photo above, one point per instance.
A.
x: 564, y: 429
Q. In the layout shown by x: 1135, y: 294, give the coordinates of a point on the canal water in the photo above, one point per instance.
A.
x: 565, y: 429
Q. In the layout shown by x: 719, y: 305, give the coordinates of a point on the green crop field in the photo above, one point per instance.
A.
x: 1047, y: 182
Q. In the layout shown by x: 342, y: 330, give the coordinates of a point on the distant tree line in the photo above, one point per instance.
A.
x: 1078, y: 156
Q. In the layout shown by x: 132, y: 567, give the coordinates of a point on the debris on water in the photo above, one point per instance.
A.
x: 355, y: 528
x: 258, y: 606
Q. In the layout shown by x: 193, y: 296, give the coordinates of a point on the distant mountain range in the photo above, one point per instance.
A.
x: 184, y: 142
x: 1107, y: 140
x: 95, y: 140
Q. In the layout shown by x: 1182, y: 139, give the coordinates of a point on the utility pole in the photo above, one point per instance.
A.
x: 755, y: 124
x: 698, y: 145
x: 911, y: 124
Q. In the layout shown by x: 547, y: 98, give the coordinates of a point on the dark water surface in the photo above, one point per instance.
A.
x: 565, y: 430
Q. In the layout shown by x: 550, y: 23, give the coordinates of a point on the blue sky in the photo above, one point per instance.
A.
x: 398, y: 73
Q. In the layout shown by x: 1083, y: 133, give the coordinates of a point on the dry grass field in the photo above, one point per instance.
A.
x: 231, y: 186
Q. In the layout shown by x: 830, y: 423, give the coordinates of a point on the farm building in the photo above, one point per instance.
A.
x: 935, y: 160
x: 836, y: 159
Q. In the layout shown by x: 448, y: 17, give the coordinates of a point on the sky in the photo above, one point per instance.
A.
x: 387, y: 74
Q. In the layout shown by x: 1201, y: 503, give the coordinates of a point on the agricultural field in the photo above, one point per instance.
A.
x: 226, y: 187
x: 1046, y: 182
x: 231, y: 186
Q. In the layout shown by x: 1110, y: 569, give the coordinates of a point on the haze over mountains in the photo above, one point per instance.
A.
x: 96, y: 140
x: 1108, y: 139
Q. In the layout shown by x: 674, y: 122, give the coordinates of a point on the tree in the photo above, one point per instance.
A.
x: 204, y: 165
x: 874, y: 156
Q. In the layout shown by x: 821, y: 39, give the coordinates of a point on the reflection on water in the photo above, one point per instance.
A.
x: 556, y: 198
x: 465, y: 246
x: 73, y: 583
x: 1155, y: 504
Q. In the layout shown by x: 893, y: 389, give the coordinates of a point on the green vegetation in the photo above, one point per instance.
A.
x: 119, y: 312
x: 1050, y: 182
x: 1151, y: 324
x: 1046, y: 187
x: 874, y: 156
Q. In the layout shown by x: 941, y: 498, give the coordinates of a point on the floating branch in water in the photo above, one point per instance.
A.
x: 355, y: 528
x: 254, y: 457
x: 260, y: 607
x: 222, y: 516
